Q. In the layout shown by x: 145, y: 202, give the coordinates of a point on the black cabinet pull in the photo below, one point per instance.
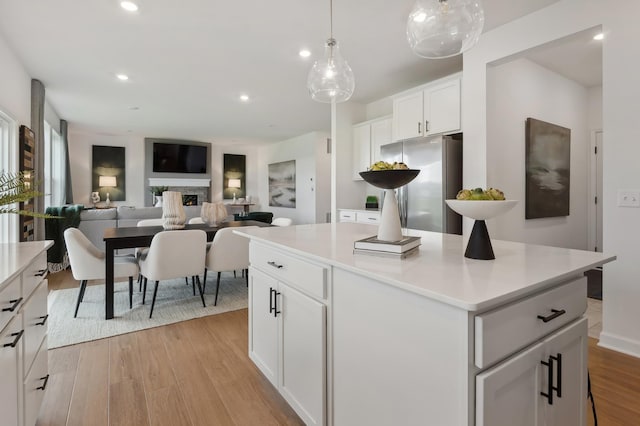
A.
x: 426, y: 125
x: 555, y: 314
x: 44, y: 320
x: 41, y: 272
x: 275, y: 265
x: 13, y: 307
x: 419, y: 131
x: 15, y: 341
x: 549, y: 393
x: 44, y: 385
x: 558, y: 388
x: 271, y: 291
x: 275, y: 303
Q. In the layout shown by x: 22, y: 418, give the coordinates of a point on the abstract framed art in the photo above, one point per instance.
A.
x: 282, y: 184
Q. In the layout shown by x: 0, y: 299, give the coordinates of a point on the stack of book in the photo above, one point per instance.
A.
x: 400, y: 249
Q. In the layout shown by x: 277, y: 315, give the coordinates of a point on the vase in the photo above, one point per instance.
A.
x: 173, y: 214
x: 213, y: 213
x: 158, y: 201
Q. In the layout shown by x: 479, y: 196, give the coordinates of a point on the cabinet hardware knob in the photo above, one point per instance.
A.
x: 13, y: 307
x: 44, y: 384
x: 556, y: 313
x: 549, y: 393
x: 41, y: 272
x: 275, y: 265
x: 44, y: 320
x: 16, y: 340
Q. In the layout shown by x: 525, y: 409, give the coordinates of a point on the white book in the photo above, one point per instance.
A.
x: 387, y: 253
x: 373, y: 243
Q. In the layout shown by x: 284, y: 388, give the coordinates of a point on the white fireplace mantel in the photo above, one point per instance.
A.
x: 179, y: 182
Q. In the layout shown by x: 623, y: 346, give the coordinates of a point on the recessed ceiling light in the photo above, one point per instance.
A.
x: 129, y: 6
x: 244, y: 98
x: 134, y: 108
x: 122, y: 77
x: 599, y: 36
x: 305, y: 53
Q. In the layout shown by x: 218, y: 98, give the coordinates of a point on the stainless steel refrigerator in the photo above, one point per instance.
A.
x: 421, y: 202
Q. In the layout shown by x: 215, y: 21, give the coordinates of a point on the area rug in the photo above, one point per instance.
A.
x: 175, y: 302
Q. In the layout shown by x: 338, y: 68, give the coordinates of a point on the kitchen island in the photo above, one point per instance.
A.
x: 434, y: 338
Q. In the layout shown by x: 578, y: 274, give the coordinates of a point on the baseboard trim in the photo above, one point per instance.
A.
x: 620, y: 344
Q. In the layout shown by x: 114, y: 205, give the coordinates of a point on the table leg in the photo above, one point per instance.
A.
x: 108, y: 281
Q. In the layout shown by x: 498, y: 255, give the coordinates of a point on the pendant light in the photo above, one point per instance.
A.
x: 331, y: 78
x: 443, y: 28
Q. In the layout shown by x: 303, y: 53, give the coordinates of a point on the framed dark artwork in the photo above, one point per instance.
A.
x: 108, y: 168
x: 234, y: 176
x: 27, y: 166
x: 282, y: 184
x: 548, y: 168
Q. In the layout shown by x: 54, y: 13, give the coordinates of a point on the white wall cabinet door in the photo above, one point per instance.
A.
x: 442, y: 108
x: 407, y: 116
x: 303, y: 345
x: 361, y: 149
x: 11, y: 373
x: 263, y: 336
x: 381, y: 134
x: 512, y: 392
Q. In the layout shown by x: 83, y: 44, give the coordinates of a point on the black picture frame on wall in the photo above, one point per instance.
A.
x: 109, y: 161
x: 234, y: 167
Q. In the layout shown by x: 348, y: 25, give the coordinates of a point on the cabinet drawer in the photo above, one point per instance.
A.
x: 347, y: 216
x: 505, y: 330
x: 301, y: 274
x: 35, y: 385
x: 35, y: 324
x: 368, y: 217
x: 9, y: 301
x: 34, y: 273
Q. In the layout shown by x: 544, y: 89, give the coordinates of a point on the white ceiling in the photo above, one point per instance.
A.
x: 189, y: 61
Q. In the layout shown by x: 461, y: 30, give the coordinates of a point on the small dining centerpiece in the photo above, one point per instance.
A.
x: 213, y: 213
x: 173, y: 214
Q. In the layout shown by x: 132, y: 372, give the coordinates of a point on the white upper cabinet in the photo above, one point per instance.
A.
x: 428, y: 110
x: 367, y: 139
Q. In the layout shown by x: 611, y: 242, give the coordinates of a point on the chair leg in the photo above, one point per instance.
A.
x: 234, y: 274
x: 153, y: 302
x: 144, y: 289
x: 215, y: 302
x: 246, y: 276
x: 130, y: 292
x: 201, y: 290
x: 186, y: 280
x: 140, y: 281
x: 193, y: 283
x: 83, y: 286
x: 204, y: 280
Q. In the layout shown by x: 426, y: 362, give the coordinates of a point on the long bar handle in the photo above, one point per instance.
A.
x: 558, y: 388
x: 44, y: 384
x: 271, y: 291
x: 41, y: 272
x: 13, y: 307
x: 555, y: 314
x: 44, y: 320
x: 419, y: 129
x: 16, y: 340
x: 275, y: 303
x: 275, y: 265
x: 549, y: 393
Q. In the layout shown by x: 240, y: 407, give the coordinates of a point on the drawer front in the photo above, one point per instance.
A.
x: 503, y: 331
x: 347, y: 216
x: 34, y: 274
x: 10, y: 300
x: 35, y: 324
x: 301, y: 274
x: 368, y: 217
x: 35, y: 386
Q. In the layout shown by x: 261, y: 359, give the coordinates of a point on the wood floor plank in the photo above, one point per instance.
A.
x: 124, y: 359
x: 156, y: 367
x: 127, y: 404
x: 167, y: 408
x: 57, y: 398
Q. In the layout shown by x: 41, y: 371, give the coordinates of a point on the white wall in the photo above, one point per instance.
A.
x: 350, y: 194
x: 517, y: 90
x: 303, y: 150
x: 15, y: 86
x: 621, y: 90
x: 51, y: 116
x: 595, y: 108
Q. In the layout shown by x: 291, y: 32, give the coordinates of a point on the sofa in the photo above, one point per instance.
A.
x: 93, y: 222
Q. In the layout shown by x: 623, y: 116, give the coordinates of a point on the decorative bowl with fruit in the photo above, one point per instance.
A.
x: 480, y: 205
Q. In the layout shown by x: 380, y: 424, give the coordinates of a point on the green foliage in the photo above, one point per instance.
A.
x: 158, y: 190
x: 372, y: 199
x: 17, y: 188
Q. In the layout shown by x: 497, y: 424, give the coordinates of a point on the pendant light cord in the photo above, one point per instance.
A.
x: 331, y: 18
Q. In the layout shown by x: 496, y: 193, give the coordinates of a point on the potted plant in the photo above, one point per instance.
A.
x: 18, y: 188
x: 372, y: 202
x: 157, y: 191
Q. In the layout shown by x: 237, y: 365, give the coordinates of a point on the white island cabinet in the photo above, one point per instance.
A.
x: 23, y: 342
x: 434, y: 338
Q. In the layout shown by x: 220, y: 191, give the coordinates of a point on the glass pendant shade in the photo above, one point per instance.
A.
x: 443, y: 28
x: 331, y: 78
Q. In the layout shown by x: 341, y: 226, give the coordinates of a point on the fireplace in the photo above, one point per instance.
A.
x: 189, y: 200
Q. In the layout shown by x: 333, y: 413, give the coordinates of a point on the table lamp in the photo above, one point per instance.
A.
x: 234, y: 183
x: 108, y: 182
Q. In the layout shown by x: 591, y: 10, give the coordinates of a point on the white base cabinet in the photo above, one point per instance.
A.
x: 287, y: 338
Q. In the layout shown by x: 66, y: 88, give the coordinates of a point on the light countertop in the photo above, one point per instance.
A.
x: 14, y: 257
x: 439, y: 271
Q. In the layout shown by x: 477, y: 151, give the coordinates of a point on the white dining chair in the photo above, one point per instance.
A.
x: 87, y: 263
x: 139, y: 251
x: 228, y: 252
x: 281, y: 221
x: 174, y: 254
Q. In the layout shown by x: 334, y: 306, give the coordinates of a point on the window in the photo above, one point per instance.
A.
x: 54, y: 175
x: 9, y: 164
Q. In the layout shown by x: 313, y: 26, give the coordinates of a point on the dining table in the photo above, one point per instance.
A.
x: 132, y: 237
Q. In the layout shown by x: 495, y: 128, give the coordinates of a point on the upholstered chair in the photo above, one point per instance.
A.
x: 228, y: 252
x: 174, y: 254
x: 87, y: 263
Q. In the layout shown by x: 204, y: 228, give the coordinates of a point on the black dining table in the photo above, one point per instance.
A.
x: 131, y: 237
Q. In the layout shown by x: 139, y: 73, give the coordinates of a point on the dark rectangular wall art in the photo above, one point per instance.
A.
x: 548, y: 168
x: 282, y: 184
x: 109, y: 161
x: 234, y: 167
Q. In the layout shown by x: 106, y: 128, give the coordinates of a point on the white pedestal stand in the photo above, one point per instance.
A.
x: 389, y: 228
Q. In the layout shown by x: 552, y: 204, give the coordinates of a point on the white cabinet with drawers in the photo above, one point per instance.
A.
x: 23, y: 343
x: 367, y: 139
x: 359, y: 216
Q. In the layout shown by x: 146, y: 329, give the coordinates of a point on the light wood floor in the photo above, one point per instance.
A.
x: 198, y: 373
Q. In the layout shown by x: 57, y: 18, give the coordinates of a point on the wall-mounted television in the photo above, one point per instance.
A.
x: 178, y: 158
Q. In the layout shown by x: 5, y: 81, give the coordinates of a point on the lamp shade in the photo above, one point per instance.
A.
x: 444, y: 28
x: 234, y: 183
x: 107, y: 181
